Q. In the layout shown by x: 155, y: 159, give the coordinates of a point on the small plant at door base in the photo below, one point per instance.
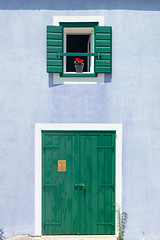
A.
x: 78, y: 61
x: 121, y: 222
x: 1, y: 234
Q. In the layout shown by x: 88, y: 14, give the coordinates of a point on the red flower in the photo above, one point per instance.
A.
x: 77, y: 59
x: 81, y: 60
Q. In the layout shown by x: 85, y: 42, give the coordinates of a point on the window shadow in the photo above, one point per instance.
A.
x: 107, y: 78
x: 51, y: 81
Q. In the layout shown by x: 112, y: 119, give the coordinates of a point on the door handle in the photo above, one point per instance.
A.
x: 80, y: 186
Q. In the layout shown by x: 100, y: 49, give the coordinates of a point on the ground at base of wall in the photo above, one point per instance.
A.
x: 23, y: 237
x: 84, y: 237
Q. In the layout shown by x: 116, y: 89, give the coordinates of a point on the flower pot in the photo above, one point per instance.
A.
x: 79, y: 68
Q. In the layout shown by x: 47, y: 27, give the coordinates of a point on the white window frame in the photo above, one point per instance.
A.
x: 38, y: 164
x: 78, y: 31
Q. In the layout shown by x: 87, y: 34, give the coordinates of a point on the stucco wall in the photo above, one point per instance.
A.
x: 131, y: 97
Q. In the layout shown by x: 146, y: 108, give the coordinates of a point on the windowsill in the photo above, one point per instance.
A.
x: 78, y: 74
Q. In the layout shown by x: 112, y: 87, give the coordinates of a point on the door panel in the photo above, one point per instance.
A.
x: 85, y: 167
x: 74, y: 226
x: 59, y: 198
x: 106, y: 182
x: 90, y: 160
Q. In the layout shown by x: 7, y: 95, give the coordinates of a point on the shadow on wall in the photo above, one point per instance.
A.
x: 146, y: 5
x: 51, y: 81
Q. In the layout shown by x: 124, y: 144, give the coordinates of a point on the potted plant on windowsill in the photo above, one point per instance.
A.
x: 79, y: 65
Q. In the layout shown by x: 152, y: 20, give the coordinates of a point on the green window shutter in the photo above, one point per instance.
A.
x: 54, y: 46
x: 103, y: 46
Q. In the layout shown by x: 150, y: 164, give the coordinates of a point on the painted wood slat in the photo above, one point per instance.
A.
x: 101, y: 179
x: 52, y: 56
x: 103, y: 36
x: 104, y: 29
x: 85, y: 178
x: 82, y: 207
x: 75, y: 180
x: 55, y: 29
x: 55, y: 195
x: 63, y: 188
x: 69, y: 186
x: 103, y: 49
x: 51, y: 42
x: 105, y: 56
x: 54, y: 49
x: 53, y: 63
x: 54, y: 36
x: 103, y: 69
x: 103, y: 63
x: 88, y: 179
x: 108, y: 180
x: 54, y: 69
x: 94, y: 185
x: 103, y: 43
x: 48, y: 193
x: 48, y: 180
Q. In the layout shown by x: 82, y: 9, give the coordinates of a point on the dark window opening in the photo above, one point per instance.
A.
x: 77, y: 43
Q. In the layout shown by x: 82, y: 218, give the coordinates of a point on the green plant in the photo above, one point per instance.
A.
x: 1, y: 234
x: 121, y: 222
x: 79, y: 61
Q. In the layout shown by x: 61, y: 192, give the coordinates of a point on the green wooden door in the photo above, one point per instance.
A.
x: 79, y: 199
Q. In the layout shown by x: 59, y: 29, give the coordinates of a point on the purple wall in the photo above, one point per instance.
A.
x: 131, y: 97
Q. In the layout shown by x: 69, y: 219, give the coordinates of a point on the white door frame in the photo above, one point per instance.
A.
x: 39, y: 127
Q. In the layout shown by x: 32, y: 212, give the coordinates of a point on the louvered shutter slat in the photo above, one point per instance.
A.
x: 103, y: 45
x: 54, y: 46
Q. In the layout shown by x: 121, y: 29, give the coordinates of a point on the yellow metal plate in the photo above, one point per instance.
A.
x: 61, y: 165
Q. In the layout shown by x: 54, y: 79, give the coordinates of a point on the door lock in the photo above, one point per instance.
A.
x: 80, y: 186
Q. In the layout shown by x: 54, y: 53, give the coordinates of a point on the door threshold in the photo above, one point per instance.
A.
x: 80, y: 237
